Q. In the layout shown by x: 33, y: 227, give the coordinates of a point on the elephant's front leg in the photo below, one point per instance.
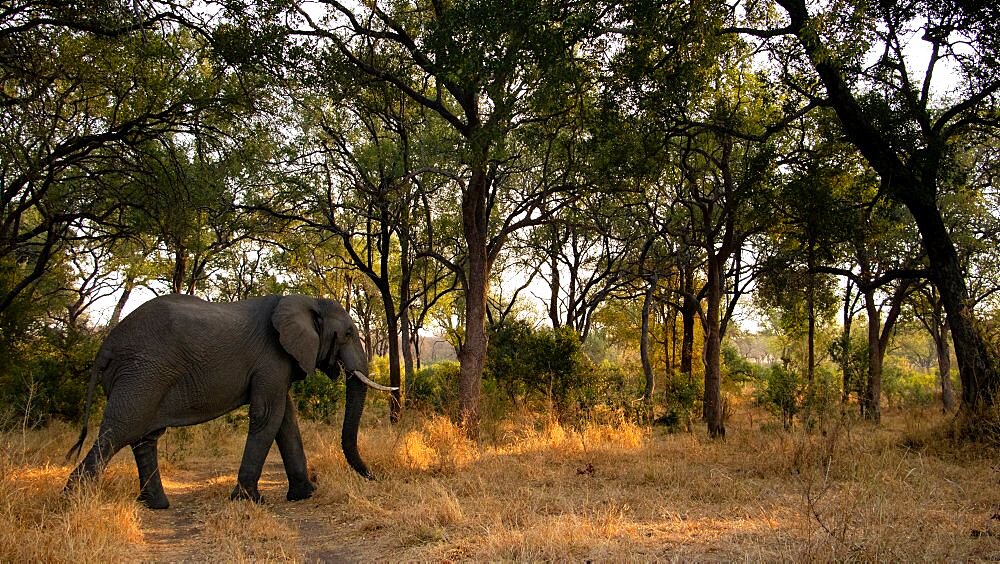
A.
x: 293, y: 456
x: 266, y: 415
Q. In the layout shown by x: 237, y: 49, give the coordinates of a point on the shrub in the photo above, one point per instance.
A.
x: 434, y: 387
x: 736, y: 368
x: 615, y: 394
x: 901, y: 385
x: 317, y: 396
x: 524, y: 362
x: 378, y: 368
x: 822, y: 398
x: 683, y: 395
x: 856, y: 362
x: 779, y: 392
x: 46, y: 375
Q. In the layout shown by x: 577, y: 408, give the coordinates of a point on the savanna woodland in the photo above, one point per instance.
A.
x: 656, y: 280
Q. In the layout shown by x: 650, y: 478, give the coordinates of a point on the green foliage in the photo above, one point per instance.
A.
x: 597, y: 347
x: 541, y: 364
x: 317, y: 396
x: 903, y: 386
x: 616, y: 393
x: 378, y: 367
x: 151, y: 147
x: 779, y: 392
x: 49, y: 378
x: 737, y: 369
x: 434, y: 387
x: 855, y: 357
x: 683, y: 395
x: 822, y: 398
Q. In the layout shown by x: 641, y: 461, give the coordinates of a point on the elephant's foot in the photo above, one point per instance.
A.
x: 300, y: 491
x: 245, y: 492
x: 153, y: 501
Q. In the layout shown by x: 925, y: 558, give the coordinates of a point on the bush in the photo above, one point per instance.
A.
x: 317, y: 396
x: 683, y: 395
x: 378, y: 368
x: 46, y: 374
x: 822, y: 399
x: 856, y: 362
x: 434, y: 387
x: 901, y: 385
x: 549, y: 364
x: 779, y: 392
x: 737, y: 369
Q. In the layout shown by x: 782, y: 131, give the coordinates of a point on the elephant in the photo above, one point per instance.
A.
x: 178, y: 360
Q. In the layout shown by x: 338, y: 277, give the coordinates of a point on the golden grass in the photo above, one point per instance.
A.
x: 39, y: 524
x: 536, y: 490
x: 246, y: 532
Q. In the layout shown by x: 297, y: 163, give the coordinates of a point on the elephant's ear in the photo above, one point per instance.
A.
x: 294, y: 317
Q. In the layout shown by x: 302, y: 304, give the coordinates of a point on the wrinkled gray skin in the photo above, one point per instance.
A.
x: 178, y: 360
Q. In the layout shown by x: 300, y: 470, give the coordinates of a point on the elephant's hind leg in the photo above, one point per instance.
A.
x: 151, y: 492
x: 92, y: 465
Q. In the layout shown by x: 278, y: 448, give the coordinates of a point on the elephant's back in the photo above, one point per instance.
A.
x: 177, y: 333
x: 184, y: 315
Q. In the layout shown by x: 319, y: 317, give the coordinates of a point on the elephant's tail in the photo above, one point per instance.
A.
x: 74, y: 451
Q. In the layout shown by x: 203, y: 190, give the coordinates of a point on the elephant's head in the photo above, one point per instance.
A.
x: 319, y: 333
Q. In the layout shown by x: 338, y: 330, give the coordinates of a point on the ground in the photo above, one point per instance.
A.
x: 532, y: 489
x: 186, y: 530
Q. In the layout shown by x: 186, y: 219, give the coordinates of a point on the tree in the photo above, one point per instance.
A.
x: 356, y: 182
x: 589, y: 251
x: 721, y: 181
x: 926, y: 306
x: 82, y: 89
x: 905, y: 131
x: 486, y: 69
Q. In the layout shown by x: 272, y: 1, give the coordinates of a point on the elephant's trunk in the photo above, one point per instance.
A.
x: 355, y: 405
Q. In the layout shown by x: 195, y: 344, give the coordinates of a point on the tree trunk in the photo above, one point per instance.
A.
x: 811, y: 313
x: 416, y: 348
x: 976, y: 368
x: 647, y: 367
x: 348, y: 291
x: 472, y: 357
x: 938, y: 330
x: 116, y: 314
x: 689, y: 309
x: 392, y: 344
x: 713, y: 349
x: 873, y: 391
x: 948, y: 401
x: 407, y: 341
x: 846, y: 345
x: 180, y: 267
x: 669, y: 338
x: 404, y: 320
x: 554, y: 283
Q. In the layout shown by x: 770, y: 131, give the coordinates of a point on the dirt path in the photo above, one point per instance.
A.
x: 199, y: 500
x: 177, y: 534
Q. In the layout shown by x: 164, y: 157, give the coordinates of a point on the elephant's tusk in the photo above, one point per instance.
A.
x: 372, y: 384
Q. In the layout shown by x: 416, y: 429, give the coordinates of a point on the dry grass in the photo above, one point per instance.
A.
x: 39, y: 524
x: 535, y: 490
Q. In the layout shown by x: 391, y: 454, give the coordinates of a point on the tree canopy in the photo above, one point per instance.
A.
x: 638, y: 176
